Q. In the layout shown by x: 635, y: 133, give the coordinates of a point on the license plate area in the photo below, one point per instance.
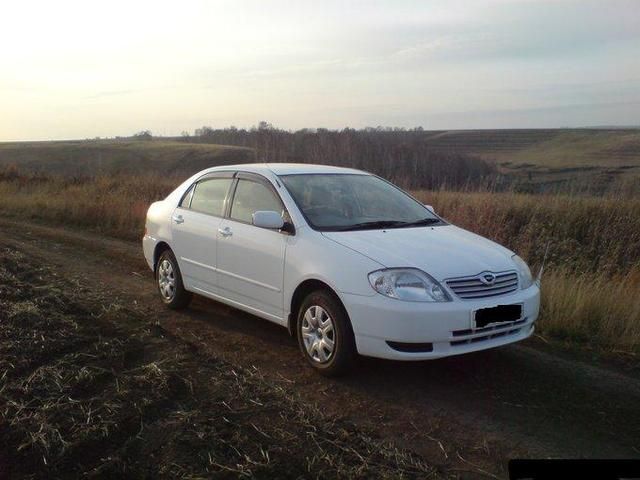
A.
x: 485, y: 317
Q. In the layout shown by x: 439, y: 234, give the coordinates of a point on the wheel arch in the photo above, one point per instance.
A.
x: 302, y: 290
x: 160, y: 247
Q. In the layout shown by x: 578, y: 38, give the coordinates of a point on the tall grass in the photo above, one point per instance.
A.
x: 592, y: 309
x: 115, y: 205
x: 591, y: 283
x: 585, y: 234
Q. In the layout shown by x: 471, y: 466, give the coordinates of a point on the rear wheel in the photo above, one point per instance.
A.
x: 324, y: 334
x: 169, y: 281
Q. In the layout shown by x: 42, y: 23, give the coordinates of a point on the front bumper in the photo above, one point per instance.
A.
x: 448, y: 326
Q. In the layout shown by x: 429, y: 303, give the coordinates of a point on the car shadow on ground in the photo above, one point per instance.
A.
x: 450, y: 369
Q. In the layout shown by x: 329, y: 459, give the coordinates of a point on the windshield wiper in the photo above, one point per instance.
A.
x: 371, y: 225
x: 422, y: 222
x: 387, y: 224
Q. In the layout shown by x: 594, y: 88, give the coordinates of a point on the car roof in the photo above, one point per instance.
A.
x: 286, y: 168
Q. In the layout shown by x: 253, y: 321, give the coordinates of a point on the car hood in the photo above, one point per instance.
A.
x: 441, y: 251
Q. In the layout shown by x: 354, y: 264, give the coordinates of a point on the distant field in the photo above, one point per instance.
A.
x: 591, y: 161
x: 553, y: 148
x: 101, y: 157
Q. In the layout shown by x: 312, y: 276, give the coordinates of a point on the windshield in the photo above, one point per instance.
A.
x: 355, y: 202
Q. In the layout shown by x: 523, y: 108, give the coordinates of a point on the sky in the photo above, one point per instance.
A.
x: 81, y: 69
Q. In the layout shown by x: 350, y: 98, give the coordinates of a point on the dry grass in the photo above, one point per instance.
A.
x: 596, y: 310
x: 115, y: 205
x: 586, y: 234
x: 591, y: 278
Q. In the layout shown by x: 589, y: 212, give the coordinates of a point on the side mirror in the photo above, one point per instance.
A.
x: 430, y: 208
x: 268, y: 219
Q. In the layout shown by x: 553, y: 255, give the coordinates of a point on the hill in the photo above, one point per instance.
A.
x: 554, y: 148
x: 596, y: 160
x: 100, y: 157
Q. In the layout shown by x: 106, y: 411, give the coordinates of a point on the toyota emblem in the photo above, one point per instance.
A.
x: 487, y: 278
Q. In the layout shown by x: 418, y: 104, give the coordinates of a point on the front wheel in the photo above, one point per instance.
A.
x: 325, y: 335
x: 169, y: 281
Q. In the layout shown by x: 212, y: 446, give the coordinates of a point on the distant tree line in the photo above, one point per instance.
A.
x: 143, y: 135
x: 400, y: 155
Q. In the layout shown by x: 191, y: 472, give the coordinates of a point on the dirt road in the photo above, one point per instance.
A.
x: 466, y: 414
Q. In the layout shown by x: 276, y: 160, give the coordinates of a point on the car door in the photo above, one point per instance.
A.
x: 250, y: 258
x: 195, y: 224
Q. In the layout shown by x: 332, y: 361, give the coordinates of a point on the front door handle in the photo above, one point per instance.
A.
x: 178, y: 219
x: 225, y: 232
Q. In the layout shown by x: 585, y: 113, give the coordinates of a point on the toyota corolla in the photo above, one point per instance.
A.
x: 347, y: 262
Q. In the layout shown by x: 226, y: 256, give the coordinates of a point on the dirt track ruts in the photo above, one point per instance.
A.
x: 468, y: 413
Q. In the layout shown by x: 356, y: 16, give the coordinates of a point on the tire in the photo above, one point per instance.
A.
x: 322, y: 321
x: 169, y: 282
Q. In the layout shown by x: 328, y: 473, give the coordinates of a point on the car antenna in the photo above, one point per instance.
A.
x: 544, y: 259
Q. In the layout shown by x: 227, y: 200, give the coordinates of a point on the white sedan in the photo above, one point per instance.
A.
x: 345, y: 260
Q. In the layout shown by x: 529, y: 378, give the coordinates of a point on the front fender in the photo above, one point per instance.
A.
x: 311, y: 256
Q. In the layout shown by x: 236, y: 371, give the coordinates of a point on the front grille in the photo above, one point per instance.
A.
x: 475, y: 287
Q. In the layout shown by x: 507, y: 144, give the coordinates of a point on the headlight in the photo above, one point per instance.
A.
x: 409, y: 284
x: 523, y: 271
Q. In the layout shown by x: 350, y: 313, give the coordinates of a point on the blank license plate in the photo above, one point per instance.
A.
x: 499, y: 314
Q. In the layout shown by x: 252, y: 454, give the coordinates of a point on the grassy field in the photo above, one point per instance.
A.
x: 552, y: 160
x: 594, y: 161
x: 554, y: 148
x: 107, y: 157
x: 593, y: 269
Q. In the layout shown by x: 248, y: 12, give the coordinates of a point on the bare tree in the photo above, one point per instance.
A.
x: 404, y: 156
x: 143, y: 135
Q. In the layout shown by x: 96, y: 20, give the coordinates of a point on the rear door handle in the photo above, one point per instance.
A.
x: 178, y: 219
x: 225, y: 232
